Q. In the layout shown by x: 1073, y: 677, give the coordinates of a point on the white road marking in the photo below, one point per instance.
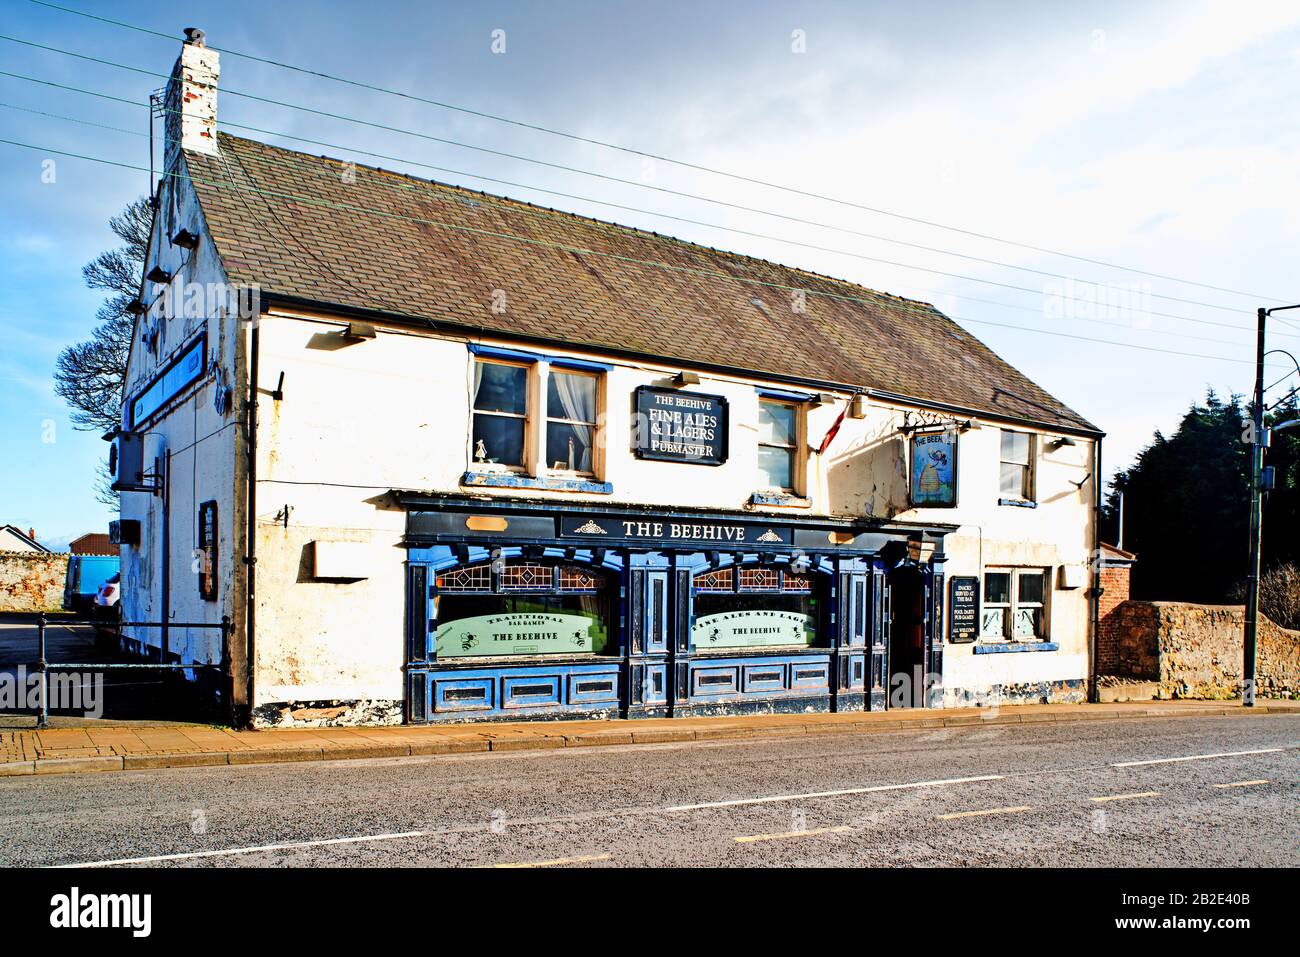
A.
x: 1194, y: 757
x: 674, y: 809
x: 191, y: 855
x: 812, y: 832
x: 1242, y: 784
x: 810, y: 795
x: 559, y: 860
x: 992, y: 810
x: 1125, y: 797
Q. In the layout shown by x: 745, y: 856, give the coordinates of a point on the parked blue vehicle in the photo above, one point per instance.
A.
x: 86, y: 573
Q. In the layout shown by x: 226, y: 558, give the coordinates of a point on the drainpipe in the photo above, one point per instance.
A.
x: 250, y: 557
x: 164, y: 640
x: 1096, y: 570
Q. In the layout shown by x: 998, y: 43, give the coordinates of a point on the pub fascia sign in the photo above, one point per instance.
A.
x: 676, y: 426
x: 675, y: 530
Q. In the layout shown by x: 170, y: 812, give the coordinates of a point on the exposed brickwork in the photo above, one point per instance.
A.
x: 1115, y: 591
x: 32, y: 581
x: 1194, y: 651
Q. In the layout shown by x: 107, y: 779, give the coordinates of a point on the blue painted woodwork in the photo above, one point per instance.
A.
x: 1004, y: 647
x: 515, y: 480
x: 651, y: 667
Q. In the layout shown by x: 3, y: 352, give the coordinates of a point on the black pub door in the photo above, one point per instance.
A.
x: 906, y: 685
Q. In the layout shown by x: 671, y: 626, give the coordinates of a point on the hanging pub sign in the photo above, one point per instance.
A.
x: 963, y: 609
x: 676, y: 426
x: 207, y: 551
x: 933, y: 481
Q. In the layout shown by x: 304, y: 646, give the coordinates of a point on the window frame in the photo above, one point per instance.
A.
x: 1029, y: 487
x: 597, y: 438
x: 1013, y: 604
x: 535, y: 417
x: 796, y: 448
x: 527, y: 417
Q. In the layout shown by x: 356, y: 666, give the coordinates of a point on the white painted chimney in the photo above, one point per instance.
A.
x: 191, y: 100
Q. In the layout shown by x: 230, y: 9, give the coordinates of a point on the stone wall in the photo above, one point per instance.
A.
x: 1194, y: 651
x: 32, y: 581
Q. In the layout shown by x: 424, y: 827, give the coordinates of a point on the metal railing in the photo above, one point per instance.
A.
x: 42, y: 666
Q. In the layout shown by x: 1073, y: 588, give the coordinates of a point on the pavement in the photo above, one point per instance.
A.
x: 1173, y: 788
x: 116, y: 746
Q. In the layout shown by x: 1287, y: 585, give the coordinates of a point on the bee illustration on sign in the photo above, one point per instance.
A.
x: 934, y: 469
x: 468, y: 642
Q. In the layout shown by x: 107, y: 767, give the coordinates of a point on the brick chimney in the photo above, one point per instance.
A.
x: 191, y: 99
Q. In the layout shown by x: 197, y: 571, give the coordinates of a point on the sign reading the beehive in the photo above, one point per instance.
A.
x: 933, y: 481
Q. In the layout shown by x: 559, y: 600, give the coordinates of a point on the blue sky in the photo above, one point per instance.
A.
x: 1161, y: 136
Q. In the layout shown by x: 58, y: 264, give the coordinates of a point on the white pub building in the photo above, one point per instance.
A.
x: 439, y: 455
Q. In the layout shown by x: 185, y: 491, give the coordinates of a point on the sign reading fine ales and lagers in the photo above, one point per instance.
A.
x: 676, y: 426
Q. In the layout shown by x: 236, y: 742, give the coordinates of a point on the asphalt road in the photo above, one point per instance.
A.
x: 1050, y: 794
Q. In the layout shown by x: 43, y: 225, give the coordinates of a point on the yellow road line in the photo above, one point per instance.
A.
x: 1242, y: 784
x: 750, y: 838
x: 992, y: 810
x: 558, y: 861
x: 1125, y: 797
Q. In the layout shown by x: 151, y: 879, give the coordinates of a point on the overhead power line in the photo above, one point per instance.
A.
x: 617, y: 179
x: 661, y: 158
x: 883, y: 300
x: 537, y: 211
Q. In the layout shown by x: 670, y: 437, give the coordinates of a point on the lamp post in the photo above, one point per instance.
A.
x: 1260, y: 440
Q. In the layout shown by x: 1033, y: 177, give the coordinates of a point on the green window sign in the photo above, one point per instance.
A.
x: 525, y: 633
x: 754, y: 628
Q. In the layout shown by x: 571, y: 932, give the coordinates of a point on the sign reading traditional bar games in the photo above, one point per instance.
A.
x: 680, y: 529
x: 934, y: 469
x: 676, y: 426
x: 753, y: 629
x: 964, y: 609
x: 525, y: 633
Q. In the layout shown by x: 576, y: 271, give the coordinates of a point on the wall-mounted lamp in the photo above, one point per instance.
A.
x: 135, y: 307
x: 158, y: 274
x: 359, y: 331
x: 686, y: 378
x: 1060, y: 443
x: 185, y: 239
x: 858, y: 407
x: 824, y: 398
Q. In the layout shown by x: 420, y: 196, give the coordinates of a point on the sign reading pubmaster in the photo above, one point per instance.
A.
x: 676, y: 426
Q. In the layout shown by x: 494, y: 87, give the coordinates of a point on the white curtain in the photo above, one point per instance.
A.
x: 580, y: 405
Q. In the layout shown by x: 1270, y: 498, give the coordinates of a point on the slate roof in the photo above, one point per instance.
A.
x: 292, y: 223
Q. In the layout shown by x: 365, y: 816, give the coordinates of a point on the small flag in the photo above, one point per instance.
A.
x: 830, y: 436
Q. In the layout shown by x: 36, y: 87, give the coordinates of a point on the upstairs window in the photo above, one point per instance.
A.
x: 570, y: 421
x: 1016, y: 470
x: 778, y: 430
x: 500, y: 414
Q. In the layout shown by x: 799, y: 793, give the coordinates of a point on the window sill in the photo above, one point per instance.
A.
x: 1018, y: 502
x: 1005, y: 647
x: 515, y: 480
x: 781, y: 499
